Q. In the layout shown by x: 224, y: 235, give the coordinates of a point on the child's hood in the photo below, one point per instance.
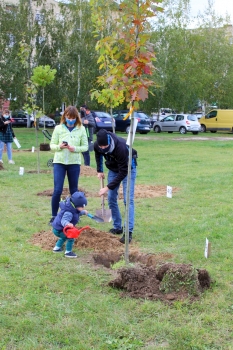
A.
x: 67, y: 206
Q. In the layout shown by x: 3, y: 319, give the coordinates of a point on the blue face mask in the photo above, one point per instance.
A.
x: 70, y: 122
x: 6, y: 116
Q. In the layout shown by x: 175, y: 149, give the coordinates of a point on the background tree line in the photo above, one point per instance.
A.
x: 192, y: 65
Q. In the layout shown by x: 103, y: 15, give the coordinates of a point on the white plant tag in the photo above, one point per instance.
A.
x: 16, y: 142
x: 21, y: 171
x: 33, y: 148
x: 169, y: 191
x: 207, y: 248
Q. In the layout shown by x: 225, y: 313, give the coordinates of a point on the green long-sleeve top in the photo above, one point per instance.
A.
x: 77, y: 138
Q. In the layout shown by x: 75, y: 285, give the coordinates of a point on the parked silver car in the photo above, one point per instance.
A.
x: 44, y: 121
x: 178, y: 122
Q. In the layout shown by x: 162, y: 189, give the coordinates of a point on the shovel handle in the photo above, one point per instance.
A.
x: 102, y: 197
x: 102, y: 182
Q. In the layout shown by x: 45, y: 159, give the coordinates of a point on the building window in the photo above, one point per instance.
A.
x: 10, y: 8
x: 39, y: 18
x: 11, y: 40
x: 59, y: 17
x: 41, y: 39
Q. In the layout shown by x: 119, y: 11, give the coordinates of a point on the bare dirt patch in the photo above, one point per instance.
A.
x: 36, y: 171
x: 84, y: 171
x: 141, y: 191
x: 151, y: 277
x: 22, y: 150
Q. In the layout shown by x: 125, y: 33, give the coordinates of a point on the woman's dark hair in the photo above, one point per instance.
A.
x: 73, y: 113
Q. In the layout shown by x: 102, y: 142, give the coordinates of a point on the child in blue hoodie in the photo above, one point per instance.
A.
x: 70, y: 211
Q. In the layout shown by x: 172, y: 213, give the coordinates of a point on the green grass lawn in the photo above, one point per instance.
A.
x: 49, y: 302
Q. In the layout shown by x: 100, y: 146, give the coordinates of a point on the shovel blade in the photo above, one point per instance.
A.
x: 105, y: 214
x: 96, y: 218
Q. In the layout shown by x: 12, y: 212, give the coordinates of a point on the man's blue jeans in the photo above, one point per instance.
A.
x: 59, y: 173
x: 113, y: 196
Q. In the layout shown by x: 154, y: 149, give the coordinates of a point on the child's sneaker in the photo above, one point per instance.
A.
x: 70, y: 255
x: 57, y: 250
x: 1, y: 161
x: 11, y: 162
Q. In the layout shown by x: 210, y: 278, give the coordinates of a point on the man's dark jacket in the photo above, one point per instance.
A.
x: 116, y: 161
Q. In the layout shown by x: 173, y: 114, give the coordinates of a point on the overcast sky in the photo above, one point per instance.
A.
x: 221, y: 6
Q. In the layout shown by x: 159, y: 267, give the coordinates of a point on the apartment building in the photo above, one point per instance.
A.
x: 35, y: 6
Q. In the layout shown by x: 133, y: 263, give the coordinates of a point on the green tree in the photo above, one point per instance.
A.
x: 13, y: 23
x: 192, y: 64
x: 43, y: 76
x: 76, y: 59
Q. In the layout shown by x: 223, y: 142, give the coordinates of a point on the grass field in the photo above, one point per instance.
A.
x: 49, y: 302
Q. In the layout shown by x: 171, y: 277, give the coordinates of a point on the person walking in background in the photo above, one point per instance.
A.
x: 69, y: 140
x: 116, y: 153
x: 71, y: 210
x: 6, y: 136
x: 57, y: 116
x: 88, y: 122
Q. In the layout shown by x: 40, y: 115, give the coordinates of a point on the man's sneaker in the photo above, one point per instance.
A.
x: 51, y: 220
x: 1, y: 161
x: 70, y: 255
x: 11, y: 162
x: 116, y: 231
x: 122, y: 240
x: 57, y: 250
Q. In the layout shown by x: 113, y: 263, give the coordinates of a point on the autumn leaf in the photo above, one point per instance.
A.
x: 147, y: 70
x: 142, y: 93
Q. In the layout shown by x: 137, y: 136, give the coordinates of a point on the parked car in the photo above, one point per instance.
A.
x: 103, y: 120
x: 44, y: 121
x: 198, y: 114
x: 156, y: 117
x: 178, y: 122
x: 217, y: 120
x: 143, y: 126
x: 19, y: 119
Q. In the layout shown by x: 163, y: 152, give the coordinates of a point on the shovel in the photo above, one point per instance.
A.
x: 94, y: 217
x: 105, y: 214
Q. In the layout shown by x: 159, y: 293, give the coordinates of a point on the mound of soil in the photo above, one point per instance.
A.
x: 152, y: 277
x: 91, y: 239
x: 145, y: 282
x: 84, y: 171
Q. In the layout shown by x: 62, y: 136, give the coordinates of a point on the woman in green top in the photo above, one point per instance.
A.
x: 69, y: 140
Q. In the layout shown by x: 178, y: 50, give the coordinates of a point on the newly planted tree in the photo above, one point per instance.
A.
x: 42, y: 76
x: 126, y: 59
